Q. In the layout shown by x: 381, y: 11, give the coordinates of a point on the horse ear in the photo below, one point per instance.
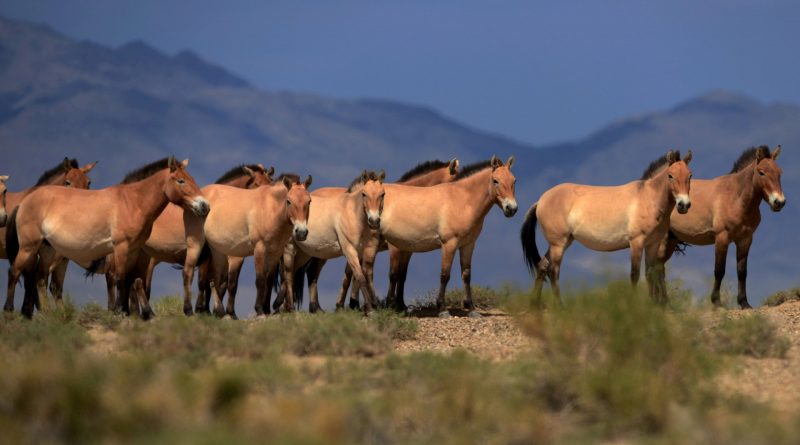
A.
x: 760, y: 154
x: 688, y: 157
x: 671, y: 157
x: 287, y: 183
x: 494, y: 162
x: 3, y: 178
x: 382, y: 176
x: 185, y: 162
x: 510, y: 162
x: 307, y: 184
x: 269, y: 172
x: 248, y: 171
x: 364, y: 176
x: 88, y: 167
x: 775, y: 152
x: 66, y: 164
x: 173, y: 165
x: 453, y: 166
x: 261, y: 167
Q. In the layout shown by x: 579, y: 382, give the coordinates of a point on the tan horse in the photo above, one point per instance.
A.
x: 425, y: 174
x: 726, y: 210
x: 87, y: 225
x: 634, y: 215
x: 340, y: 225
x: 257, y: 222
x: 68, y: 173
x: 3, y: 190
x: 447, y: 216
x: 177, y: 236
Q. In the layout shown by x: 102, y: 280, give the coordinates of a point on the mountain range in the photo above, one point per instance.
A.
x: 129, y: 105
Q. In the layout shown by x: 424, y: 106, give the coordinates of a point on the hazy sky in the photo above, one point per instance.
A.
x: 535, y: 71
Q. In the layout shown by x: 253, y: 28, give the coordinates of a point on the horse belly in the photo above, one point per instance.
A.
x: 415, y: 245
x: 81, y: 246
x: 325, y: 249
x: 604, y: 241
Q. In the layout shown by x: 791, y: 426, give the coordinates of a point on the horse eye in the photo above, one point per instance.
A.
x: 496, y: 182
x: 363, y: 194
x: 670, y: 176
x: 288, y: 203
x: 761, y: 173
x: 181, y: 181
x: 68, y: 183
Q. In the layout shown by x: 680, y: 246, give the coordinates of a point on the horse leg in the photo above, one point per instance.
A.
x: 554, y: 271
x: 312, y: 274
x: 110, y: 281
x: 220, y: 264
x: 271, y: 277
x: 465, y: 258
x: 655, y: 273
x: 204, y: 274
x: 354, y: 290
x: 141, y: 296
x: 26, y: 258
x: 348, y: 275
x: 260, y: 259
x: 234, y: 267
x: 400, y: 303
x: 47, y: 257
x: 351, y: 254
x: 448, y: 254
x: 398, y: 261
x: 742, y: 251
x: 148, y: 276
x: 637, y: 247
x: 121, y: 261
x: 720, y: 253
x: 57, y: 276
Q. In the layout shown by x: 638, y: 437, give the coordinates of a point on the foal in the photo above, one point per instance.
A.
x: 634, y: 215
x: 87, y: 225
x: 726, y: 210
x: 257, y: 222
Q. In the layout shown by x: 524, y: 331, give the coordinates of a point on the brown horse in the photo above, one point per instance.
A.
x: 425, y: 174
x: 67, y: 173
x: 634, y: 215
x: 177, y: 236
x: 447, y: 216
x: 257, y: 222
x: 87, y: 225
x: 726, y: 210
x: 340, y: 225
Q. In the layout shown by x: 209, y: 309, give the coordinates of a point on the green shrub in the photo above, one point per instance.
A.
x: 750, y: 335
x: 783, y: 296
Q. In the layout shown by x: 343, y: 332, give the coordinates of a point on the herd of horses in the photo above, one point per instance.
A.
x: 159, y: 214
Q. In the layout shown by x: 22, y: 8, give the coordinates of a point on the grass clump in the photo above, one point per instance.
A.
x: 780, y: 297
x: 751, y: 335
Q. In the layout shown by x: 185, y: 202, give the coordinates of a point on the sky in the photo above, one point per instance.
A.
x: 539, y: 72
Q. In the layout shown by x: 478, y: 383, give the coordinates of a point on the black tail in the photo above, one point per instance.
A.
x: 95, y: 267
x: 298, y: 285
x: 12, y: 242
x: 527, y: 236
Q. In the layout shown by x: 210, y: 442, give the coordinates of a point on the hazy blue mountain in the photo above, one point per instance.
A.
x: 130, y: 105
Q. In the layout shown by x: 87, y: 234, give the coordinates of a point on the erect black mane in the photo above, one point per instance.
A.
x: 658, y: 164
x: 57, y: 170
x: 747, y: 157
x: 236, y: 172
x: 472, y: 169
x: 355, y: 183
x: 146, y: 171
x: 422, y: 168
x: 293, y: 177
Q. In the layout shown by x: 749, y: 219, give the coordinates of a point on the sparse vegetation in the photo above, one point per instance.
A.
x: 608, y: 366
x: 783, y: 296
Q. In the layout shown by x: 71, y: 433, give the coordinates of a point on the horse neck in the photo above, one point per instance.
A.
x: 476, y: 192
x: 147, y: 196
x: 239, y: 181
x: 427, y: 179
x: 658, y: 186
x: 277, y: 192
x: 747, y: 190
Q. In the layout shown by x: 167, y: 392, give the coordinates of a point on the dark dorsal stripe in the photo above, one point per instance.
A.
x: 422, y: 168
x: 146, y: 171
x: 748, y: 156
x: 472, y: 169
x: 293, y: 177
x: 658, y: 164
x: 236, y: 173
x: 55, y: 171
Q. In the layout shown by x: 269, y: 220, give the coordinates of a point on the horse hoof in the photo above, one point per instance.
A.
x: 354, y: 305
x: 187, y: 310
x: 261, y: 317
x: 474, y: 314
x: 745, y: 305
x: 232, y: 315
x: 445, y: 314
x: 147, y: 314
x: 219, y: 312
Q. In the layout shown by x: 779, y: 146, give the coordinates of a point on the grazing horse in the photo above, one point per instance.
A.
x: 726, y: 210
x: 446, y: 216
x: 67, y: 173
x: 177, y: 235
x: 87, y: 225
x: 257, y: 222
x: 425, y: 174
x: 635, y: 215
x: 3, y: 190
x: 340, y: 225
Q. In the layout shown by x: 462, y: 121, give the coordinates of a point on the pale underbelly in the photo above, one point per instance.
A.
x: 321, y: 248
x: 414, y: 245
x: 81, y: 253
x: 238, y: 249
x: 605, y: 243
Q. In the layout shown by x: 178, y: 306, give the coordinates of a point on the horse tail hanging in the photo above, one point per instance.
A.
x: 527, y: 236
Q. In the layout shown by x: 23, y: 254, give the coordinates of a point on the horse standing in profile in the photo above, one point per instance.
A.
x: 725, y: 210
x: 446, y: 216
x: 68, y: 173
x: 256, y: 222
x: 341, y: 225
x: 635, y: 215
x: 87, y: 225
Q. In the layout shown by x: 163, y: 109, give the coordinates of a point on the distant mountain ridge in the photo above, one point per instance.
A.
x: 130, y: 105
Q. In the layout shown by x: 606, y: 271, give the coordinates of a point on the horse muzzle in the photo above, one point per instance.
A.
x: 300, y: 232
x: 777, y: 204
x: 200, y: 207
x: 683, y: 207
x: 509, y: 208
x: 373, y: 221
